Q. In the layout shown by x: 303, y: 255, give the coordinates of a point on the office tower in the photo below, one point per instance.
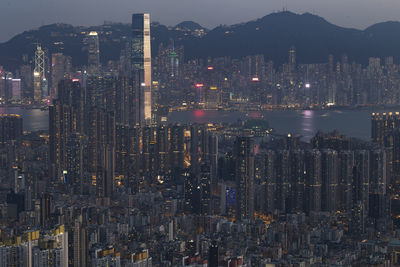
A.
x: 254, y: 67
x: 244, y: 172
x: 10, y: 129
x: 313, y: 180
x: 27, y: 81
x: 59, y: 71
x: 292, y: 60
x: 16, y: 89
x: 39, y: 75
x: 66, y: 118
x: 6, y: 86
x: 93, y: 53
x: 292, y: 55
x: 329, y: 167
x: 174, y: 61
x: 346, y: 164
x: 141, y: 67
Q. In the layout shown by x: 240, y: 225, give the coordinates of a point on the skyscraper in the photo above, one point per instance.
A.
x: 313, y: 180
x: 65, y: 119
x: 60, y: 68
x: 39, y: 75
x: 270, y: 181
x: 244, y: 165
x: 382, y: 124
x: 93, y: 53
x: 329, y: 180
x: 292, y: 60
x: 141, y: 66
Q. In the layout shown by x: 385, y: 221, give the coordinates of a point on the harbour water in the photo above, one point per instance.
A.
x: 355, y: 123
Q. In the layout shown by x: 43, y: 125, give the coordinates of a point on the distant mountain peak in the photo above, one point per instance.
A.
x: 189, y: 25
x: 272, y: 35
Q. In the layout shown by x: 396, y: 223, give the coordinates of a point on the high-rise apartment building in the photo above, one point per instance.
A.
x: 65, y: 120
x: 244, y: 170
x: 383, y: 124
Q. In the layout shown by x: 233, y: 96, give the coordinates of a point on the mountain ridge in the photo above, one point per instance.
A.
x: 272, y: 35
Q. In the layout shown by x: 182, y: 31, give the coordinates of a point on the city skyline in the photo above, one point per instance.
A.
x: 207, y: 13
x: 161, y: 157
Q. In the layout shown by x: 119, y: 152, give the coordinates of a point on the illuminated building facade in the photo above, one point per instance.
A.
x: 244, y: 170
x: 141, y: 67
x: 93, y: 53
x: 65, y: 120
x: 383, y: 124
x: 39, y: 75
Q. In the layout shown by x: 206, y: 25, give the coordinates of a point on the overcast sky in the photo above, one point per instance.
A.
x: 19, y: 15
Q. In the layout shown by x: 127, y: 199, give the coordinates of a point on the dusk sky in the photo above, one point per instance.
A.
x: 19, y: 15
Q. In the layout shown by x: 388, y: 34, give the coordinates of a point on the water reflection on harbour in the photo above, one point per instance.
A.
x: 33, y: 119
x: 307, y: 129
x: 355, y: 123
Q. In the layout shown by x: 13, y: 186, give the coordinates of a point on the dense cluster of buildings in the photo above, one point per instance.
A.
x: 250, y: 82
x: 112, y: 183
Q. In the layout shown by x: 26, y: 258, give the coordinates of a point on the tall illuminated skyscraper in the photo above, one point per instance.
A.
x: 141, y: 66
x: 244, y: 171
x: 93, y: 53
x: 39, y: 75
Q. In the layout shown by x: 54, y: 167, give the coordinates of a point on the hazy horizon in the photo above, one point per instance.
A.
x: 22, y: 15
